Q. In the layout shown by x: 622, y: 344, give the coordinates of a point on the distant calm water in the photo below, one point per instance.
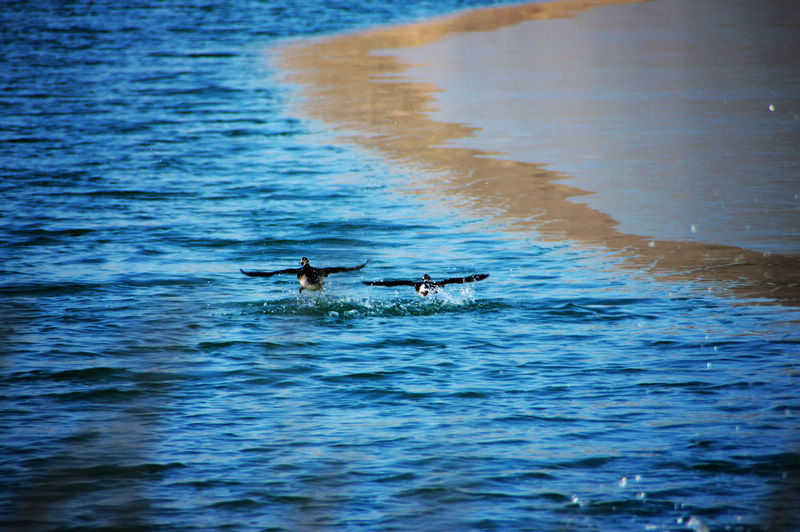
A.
x: 681, y: 117
x: 147, y: 155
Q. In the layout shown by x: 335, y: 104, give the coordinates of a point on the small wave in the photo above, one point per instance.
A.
x: 237, y: 504
x: 586, y: 462
x: 130, y: 471
x: 49, y: 289
x: 590, y: 311
x: 106, y: 395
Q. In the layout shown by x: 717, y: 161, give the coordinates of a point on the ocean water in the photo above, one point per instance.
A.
x: 148, y: 153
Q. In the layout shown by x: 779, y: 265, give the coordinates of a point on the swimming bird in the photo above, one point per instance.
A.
x: 426, y: 285
x: 309, y: 277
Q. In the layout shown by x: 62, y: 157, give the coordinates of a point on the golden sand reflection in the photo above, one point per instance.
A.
x: 347, y: 81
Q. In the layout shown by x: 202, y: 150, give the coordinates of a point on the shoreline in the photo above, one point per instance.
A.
x: 345, y: 81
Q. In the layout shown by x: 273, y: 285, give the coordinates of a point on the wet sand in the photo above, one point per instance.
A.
x: 364, y: 93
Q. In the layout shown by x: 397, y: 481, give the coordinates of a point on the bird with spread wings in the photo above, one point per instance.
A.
x: 427, y: 286
x: 308, y: 276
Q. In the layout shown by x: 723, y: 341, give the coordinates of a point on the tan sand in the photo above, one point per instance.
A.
x: 347, y: 82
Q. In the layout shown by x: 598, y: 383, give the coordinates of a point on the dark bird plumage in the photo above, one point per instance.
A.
x: 308, y: 276
x: 426, y: 286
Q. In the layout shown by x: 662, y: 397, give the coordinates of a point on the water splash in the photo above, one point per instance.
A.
x: 324, y: 305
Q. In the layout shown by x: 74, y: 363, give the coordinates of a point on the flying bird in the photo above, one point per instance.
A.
x: 426, y: 285
x: 308, y: 276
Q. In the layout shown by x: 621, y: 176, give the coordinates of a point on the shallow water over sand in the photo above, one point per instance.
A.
x: 681, y: 117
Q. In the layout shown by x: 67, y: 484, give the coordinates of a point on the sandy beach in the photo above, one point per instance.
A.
x: 360, y: 85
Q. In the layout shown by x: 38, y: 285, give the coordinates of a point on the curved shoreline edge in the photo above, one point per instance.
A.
x: 345, y: 81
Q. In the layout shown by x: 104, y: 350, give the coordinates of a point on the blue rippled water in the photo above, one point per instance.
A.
x: 147, y: 154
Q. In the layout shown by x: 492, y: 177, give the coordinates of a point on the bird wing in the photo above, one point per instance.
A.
x: 294, y: 271
x: 328, y: 271
x: 390, y: 283
x: 460, y: 280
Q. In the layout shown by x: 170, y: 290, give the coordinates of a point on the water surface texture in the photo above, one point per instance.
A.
x: 682, y: 118
x: 147, y: 154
